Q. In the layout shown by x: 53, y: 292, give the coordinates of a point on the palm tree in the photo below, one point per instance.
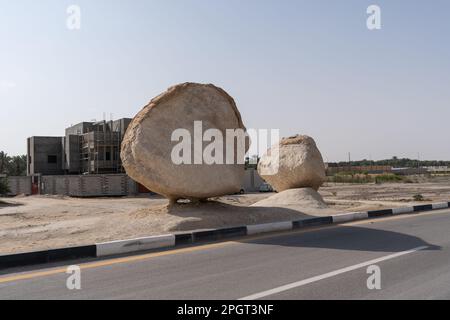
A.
x: 4, y: 161
x: 17, y: 166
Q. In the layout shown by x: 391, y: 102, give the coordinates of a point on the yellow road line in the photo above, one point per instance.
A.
x: 109, y: 262
x: 92, y: 265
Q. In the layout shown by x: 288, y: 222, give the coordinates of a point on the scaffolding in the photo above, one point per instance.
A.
x: 100, y: 149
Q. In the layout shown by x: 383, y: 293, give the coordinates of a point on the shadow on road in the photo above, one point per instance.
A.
x: 350, y: 238
x: 217, y: 214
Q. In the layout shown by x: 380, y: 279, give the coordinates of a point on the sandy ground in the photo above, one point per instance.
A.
x: 432, y: 189
x: 43, y: 222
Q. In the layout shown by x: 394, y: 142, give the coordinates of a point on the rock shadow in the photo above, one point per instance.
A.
x: 215, y: 214
x: 353, y: 238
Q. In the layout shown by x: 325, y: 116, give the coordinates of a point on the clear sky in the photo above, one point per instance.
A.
x: 309, y: 67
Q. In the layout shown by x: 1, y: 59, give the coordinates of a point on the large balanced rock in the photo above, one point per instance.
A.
x: 294, y: 163
x: 147, y: 148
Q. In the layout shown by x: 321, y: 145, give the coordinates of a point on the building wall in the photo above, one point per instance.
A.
x: 438, y: 169
x: 66, y: 152
x: 99, y: 185
x: 104, y: 137
x: 89, y: 185
x: 19, y: 185
x: 45, y: 155
x: 72, y: 154
x: 79, y: 128
x: 121, y: 126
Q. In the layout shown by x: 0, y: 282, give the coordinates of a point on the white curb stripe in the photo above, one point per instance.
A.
x: 269, y: 227
x: 329, y: 275
x: 443, y: 205
x: 347, y: 217
x: 403, y: 210
x: 344, y: 217
x: 361, y: 215
x: 132, y: 245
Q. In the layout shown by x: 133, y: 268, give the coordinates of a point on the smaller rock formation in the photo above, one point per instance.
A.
x: 295, y: 162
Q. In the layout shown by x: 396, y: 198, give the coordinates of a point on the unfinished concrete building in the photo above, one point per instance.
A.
x: 85, y: 162
x: 86, y: 148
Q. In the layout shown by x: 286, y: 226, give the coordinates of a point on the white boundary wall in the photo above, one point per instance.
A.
x: 102, y: 185
x: 19, y: 185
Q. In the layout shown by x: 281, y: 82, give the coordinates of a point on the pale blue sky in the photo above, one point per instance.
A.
x: 308, y: 67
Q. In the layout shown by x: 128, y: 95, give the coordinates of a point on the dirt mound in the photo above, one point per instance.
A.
x: 210, y: 214
x: 303, y: 199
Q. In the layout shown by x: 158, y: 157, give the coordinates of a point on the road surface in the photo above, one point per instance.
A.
x: 411, y: 251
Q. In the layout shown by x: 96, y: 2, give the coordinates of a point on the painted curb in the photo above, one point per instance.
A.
x: 403, y: 210
x: 425, y: 207
x: 313, y: 222
x: 192, y: 237
x: 380, y: 213
x: 48, y: 256
x: 218, y: 234
x: 133, y: 245
x: 348, y: 217
x: 269, y: 227
x: 437, y: 206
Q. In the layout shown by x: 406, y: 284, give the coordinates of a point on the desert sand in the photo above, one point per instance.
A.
x: 43, y: 222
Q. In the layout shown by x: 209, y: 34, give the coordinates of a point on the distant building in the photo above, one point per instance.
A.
x: 438, y: 169
x: 88, y: 147
x: 332, y: 170
x: 409, y: 171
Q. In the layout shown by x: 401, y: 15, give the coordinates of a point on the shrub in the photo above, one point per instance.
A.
x: 388, y: 177
x: 350, y: 178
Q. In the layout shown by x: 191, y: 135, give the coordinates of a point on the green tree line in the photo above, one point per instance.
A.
x: 394, y: 162
x: 13, y: 166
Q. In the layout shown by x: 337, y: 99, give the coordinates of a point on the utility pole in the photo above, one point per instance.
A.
x: 349, y: 162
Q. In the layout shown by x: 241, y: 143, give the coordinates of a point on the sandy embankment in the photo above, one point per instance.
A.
x: 42, y: 222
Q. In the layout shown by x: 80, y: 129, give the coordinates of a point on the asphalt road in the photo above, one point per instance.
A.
x: 412, y: 253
